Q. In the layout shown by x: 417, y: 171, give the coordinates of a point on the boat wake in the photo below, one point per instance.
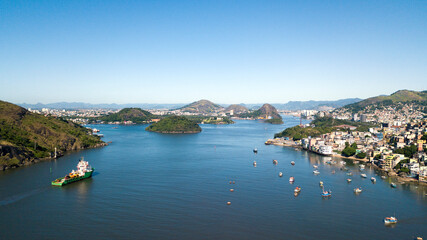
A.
x: 18, y: 197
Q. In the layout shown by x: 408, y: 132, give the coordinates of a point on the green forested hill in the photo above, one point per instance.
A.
x: 26, y: 137
x: 174, y: 124
x: 136, y: 115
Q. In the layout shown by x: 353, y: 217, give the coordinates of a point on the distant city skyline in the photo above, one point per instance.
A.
x: 166, y: 52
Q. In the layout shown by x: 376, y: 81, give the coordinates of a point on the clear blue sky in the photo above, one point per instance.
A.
x: 225, y: 51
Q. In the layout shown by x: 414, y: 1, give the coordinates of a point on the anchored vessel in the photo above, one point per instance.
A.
x: 83, y: 171
x: 388, y: 220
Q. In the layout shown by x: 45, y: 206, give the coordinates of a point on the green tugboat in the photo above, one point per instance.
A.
x: 83, y: 171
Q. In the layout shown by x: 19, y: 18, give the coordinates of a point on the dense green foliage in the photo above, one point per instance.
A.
x: 408, y: 151
x: 25, y: 136
x: 348, y: 151
x: 174, y: 124
x: 361, y: 155
x: 321, y: 126
x: 210, y: 120
x: 136, y: 115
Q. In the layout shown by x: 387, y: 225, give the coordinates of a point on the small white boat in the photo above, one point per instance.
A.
x: 383, y: 177
x: 280, y: 174
x: 373, y: 179
x: 388, y: 220
x: 275, y: 162
x: 349, y: 173
x: 361, y: 166
x: 357, y: 190
x: 321, y: 183
x: 393, y: 185
x: 349, y: 180
x: 293, y: 163
x: 316, y: 172
x: 363, y: 175
x: 291, y: 179
x: 315, y: 166
x: 254, y: 163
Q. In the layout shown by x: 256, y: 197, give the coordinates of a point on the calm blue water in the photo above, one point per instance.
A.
x: 157, y: 186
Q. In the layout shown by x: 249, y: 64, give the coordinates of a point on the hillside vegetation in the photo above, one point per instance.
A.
x: 265, y: 112
x: 321, y: 126
x: 402, y: 96
x: 136, y: 115
x: 174, y: 124
x: 202, y: 107
x: 26, y: 137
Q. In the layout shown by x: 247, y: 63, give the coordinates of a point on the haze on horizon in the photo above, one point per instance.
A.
x: 224, y: 51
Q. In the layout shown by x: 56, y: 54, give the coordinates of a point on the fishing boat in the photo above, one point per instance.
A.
x: 326, y: 193
x: 297, y: 190
x: 363, y: 175
x: 275, y: 162
x: 316, y: 172
x: 373, y: 179
x: 349, y: 180
x: 255, y: 150
x: 357, y: 190
x: 393, y: 185
x: 293, y: 163
x: 389, y: 220
x: 280, y: 174
x: 321, y: 183
x: 254, y: 163
x: 291, y: 179
x: 84, y: 170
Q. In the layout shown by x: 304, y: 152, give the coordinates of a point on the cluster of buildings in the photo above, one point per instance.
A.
x: 384, y: 146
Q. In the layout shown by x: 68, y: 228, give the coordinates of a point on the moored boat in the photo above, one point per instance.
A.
x: 361, y: 167
x: 280, y: 174
x: 297, y: 190
x: 254, y: 163
x: 293, y: 163
x: 326, y: 193
x: 321, y: 183
x: 393, y: 185
x: 349, y: 180
x: 373, y: 179
x: 315, y: 166
x: 357, y: 190
x: 83, y: 171
x: 316, y: 172
x: 275, y: 162
x: 255, y: 150
x: 383, y: 177
x: 291, y: 179
x: 349, y: 173
x: 363, y: 175
x: 388, y: 220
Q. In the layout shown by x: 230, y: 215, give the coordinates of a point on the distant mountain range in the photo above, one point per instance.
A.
x: 292, y: 105
x: 315, y: 105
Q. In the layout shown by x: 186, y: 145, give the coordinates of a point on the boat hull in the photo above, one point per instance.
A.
x: 59, y: 182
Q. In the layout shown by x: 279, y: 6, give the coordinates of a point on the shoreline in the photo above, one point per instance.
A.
x: 383, y: 172
x: 38, y: 160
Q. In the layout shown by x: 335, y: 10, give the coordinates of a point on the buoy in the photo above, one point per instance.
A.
x: 228, y: 203
x: 231, y: 190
